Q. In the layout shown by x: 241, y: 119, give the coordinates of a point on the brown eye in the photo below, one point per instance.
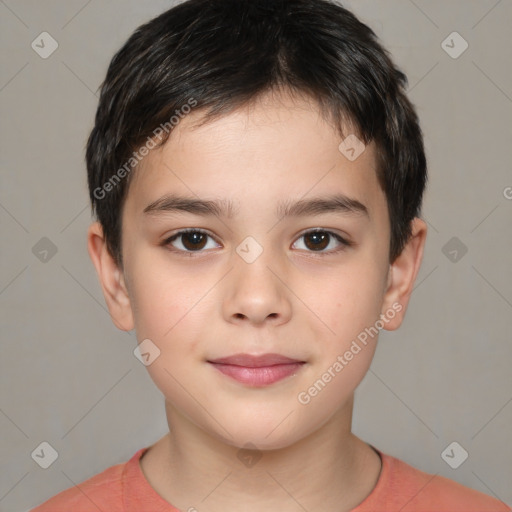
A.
x: 322, y: 242
x: 191, y: 241
x: 317, y: 240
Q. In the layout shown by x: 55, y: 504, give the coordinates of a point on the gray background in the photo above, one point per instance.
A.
x: 69, y: 377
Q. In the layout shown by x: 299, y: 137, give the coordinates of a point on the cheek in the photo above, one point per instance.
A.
x: 349, y: 301
x: 165, y: 303
x: 170, y: 311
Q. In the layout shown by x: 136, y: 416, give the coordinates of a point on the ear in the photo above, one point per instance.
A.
x: 111, y: 279
x: 402, y: 275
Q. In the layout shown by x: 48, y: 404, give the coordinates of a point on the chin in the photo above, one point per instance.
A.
x: 261, y: 436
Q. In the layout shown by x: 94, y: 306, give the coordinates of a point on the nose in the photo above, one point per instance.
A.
x: 256, y: 293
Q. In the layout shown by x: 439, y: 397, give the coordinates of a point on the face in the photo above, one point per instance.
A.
x: 256, y: 261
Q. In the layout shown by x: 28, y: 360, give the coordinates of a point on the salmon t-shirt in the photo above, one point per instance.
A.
x: 400, y: 487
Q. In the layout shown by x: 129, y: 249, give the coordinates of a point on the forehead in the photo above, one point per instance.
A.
x: 276, y: 149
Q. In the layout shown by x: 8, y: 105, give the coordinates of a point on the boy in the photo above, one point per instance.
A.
x: 257, y: 174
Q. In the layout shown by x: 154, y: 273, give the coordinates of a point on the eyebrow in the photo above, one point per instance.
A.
x: 174, y: 203
x: 337, y: 203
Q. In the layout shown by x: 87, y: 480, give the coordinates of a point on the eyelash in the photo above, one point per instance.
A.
x: 344, y: 243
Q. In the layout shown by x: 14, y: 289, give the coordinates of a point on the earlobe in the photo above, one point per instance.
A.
x: 111, y: 279
x: 402, y: 275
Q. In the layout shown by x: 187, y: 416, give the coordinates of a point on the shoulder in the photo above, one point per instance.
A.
x: 103, y: 491
x: 413, y: 490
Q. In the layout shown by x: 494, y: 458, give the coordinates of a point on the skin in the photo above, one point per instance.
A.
x: 292, y: 300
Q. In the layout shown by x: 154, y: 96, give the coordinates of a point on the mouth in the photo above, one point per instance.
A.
x: 257, y: 371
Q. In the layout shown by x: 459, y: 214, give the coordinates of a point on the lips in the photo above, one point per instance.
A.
x: 255, y: 361
x: 257, y: 371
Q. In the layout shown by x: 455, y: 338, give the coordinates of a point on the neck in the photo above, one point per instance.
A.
x: 331, y: 469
